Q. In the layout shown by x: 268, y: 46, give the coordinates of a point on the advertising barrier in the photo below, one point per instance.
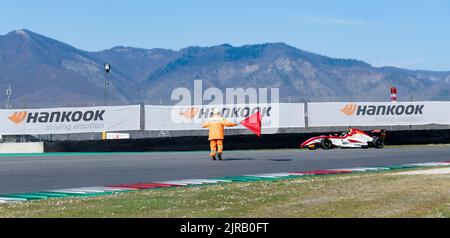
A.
x: 69, y: 120
x: 192, y: 117
x: 378, y: 114
x: 186, y: 118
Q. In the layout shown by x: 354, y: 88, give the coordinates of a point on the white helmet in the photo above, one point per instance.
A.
x: 215, y: 111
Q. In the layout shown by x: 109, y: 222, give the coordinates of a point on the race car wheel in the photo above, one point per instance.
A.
x: 326, y: 144
x: 378, y: 142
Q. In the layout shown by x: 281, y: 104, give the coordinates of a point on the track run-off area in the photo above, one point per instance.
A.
x: 31, y: 173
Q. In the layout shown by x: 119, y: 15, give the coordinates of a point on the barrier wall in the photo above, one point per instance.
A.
x: 235, y: 142
x: 22, y: 148
x: 290, y: 117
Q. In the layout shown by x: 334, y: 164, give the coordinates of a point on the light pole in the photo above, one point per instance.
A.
x: 9, y: 93
x: 107, y: 69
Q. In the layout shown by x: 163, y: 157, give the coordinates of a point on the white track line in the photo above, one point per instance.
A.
x: 277, y: 175
x: 12, y: 199
x: 432, y: 164
x: 202, y: 181
x: 106, y: 189
x: 70, y: 191
x: 178, y: 183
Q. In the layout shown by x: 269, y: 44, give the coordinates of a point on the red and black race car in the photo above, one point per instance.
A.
x: 353, y: 138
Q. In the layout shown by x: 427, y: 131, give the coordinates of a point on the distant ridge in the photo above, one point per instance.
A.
x: 47, y: 72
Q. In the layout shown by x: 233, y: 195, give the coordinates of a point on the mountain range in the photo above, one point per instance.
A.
x: 45, y: 72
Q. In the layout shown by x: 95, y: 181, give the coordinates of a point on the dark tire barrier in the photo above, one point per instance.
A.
x: 235, y: 142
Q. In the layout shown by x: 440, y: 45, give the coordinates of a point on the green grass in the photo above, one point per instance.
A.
x: 355, y: 195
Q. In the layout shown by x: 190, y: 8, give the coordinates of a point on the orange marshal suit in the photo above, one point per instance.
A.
x: 216, y: 127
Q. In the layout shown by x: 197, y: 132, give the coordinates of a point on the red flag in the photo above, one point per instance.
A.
x: 253, y: 123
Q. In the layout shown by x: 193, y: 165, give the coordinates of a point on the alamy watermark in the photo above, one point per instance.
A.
x: 234, y: 103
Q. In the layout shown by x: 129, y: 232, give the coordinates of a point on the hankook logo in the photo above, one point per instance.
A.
x: 190, y: 113
x: 382, y: 110
x: 349, y: 109
x: 228, y: 112
x: 56, y: 116
x: 18, y: 117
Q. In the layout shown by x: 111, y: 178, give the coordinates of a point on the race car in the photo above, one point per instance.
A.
x: 353, y: 138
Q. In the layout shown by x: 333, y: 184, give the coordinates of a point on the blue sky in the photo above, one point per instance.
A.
x: 405, y: 33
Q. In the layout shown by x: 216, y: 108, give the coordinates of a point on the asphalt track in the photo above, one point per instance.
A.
x: 58, y: 171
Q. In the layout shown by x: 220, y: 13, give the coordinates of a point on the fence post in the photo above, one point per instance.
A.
x: 306, y: 115
x: 410, y: 126
x: 142, y: 120
x: 142, y: 114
